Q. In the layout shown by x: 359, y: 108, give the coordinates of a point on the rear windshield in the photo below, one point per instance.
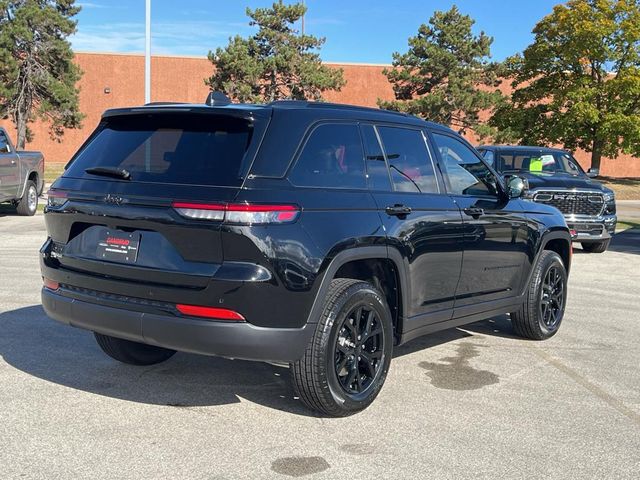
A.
x: 170, y: 148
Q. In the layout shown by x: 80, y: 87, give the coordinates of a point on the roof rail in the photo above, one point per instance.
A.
x: 311, y: 104
x: 162, y: 103
x: 217, y: 99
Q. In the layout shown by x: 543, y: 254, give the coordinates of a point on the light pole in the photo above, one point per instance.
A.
x: 147, y: 53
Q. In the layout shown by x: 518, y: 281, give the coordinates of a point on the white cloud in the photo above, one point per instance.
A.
x: 91, y: 5
x: 192, y: 37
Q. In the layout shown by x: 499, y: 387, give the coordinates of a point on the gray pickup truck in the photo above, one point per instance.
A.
x: 21, y: 176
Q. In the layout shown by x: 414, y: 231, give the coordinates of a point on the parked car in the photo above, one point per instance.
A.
x: 315, y: 234
x: 21, y: 176
x: 556, y: 178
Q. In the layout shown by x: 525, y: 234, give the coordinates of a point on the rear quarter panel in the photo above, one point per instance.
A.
x: 31, y: 162
x: 299, y: 254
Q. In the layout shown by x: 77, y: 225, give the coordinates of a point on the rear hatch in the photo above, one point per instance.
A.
x: 113, y: 214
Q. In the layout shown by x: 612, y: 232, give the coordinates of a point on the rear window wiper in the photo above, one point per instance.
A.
x: 114, y: 172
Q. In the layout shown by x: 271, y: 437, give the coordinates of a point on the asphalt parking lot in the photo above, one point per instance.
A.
x: 465, y: 403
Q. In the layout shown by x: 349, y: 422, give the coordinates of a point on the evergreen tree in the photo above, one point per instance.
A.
x: 275, y: 63
x: 446, y: 76
x: 37, y: 74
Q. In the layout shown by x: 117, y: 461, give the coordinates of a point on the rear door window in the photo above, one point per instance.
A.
x: 169, y: 148
x: 377, y: 171
x: 331, y: 157
x: 409, y: 161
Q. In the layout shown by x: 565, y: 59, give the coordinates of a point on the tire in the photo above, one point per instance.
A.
x: 28, y: 204
x: 133, y: 353
x: 324, y: 377
x: 541, y: 313
x: 596, y: 247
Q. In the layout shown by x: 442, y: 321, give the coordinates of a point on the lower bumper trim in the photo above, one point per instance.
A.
x: 205, y: 337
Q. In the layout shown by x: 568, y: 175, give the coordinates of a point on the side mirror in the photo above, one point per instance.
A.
x: 593, y: 172
x: 516, y: 186
x: 4, y: 148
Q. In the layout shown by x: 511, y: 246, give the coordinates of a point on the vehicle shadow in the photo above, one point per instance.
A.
x: 627, y: 241
x: 7, y: 210
x: 41, y: 347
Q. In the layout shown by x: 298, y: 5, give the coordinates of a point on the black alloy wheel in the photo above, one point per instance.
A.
x: 545, y: 300
x: 359, y: 350
x: 346, y: 361
x: 552, y: 296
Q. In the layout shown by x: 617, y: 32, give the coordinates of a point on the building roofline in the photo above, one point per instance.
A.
x: 204, y: 57
x: 523, y: 147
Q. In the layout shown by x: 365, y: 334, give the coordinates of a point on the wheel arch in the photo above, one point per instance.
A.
x: 32, y: 175
x: 379, y: 265
x: 558, y: 241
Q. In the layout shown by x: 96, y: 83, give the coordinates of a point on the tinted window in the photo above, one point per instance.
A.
x: 465, y: 173
x: 536, y: 161
x: 331, y: 157
x: 570, y: 164
x: 169, y: 149
x: 4, y: 143
x: 409, y: 162
x: 489, y: 156
x: 377, y: 171
x: 511, y: 161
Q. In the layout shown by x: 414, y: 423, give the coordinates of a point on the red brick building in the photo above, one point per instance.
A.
x: 117, y: 80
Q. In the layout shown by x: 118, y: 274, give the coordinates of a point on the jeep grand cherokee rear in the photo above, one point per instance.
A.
x: 314, y: 234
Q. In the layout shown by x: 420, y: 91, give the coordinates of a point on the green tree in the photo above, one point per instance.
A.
x: 446, y: 75
x: 275, y: 63
x: 578, y: 83
x: 37, y: 74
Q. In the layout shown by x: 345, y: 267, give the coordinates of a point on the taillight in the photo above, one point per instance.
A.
x: 55, y: 198
x: 50, y: 284
x: 200, y: 211
x: 240, y: 213
x: 209, y: 312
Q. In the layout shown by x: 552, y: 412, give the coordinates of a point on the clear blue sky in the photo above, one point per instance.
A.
x: 356, y: 30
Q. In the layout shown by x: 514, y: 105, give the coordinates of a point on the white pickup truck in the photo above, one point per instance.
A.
x: 21, y: 176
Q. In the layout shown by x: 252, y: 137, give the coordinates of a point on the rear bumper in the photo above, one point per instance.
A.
x: 227, y: 339
x: 592, y: 229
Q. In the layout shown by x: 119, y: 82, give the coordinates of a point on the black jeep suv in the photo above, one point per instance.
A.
x: 555, y: 178
x: 314, y: 234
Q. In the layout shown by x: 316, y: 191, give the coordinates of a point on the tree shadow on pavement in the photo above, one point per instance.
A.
x: 41, y: 347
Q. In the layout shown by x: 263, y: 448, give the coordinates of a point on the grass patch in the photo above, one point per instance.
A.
x: 52, y: 171
x: 627, y: 224
x: 625, y: 188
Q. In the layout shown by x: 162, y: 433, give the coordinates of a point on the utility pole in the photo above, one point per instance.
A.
x: 147, y: 54
x: 303, y: 19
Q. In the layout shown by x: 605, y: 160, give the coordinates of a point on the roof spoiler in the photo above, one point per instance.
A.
x: 217, y: 99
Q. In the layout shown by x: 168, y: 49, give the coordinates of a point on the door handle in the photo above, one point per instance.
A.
x: 474, y: 212
x: 398, y: 210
